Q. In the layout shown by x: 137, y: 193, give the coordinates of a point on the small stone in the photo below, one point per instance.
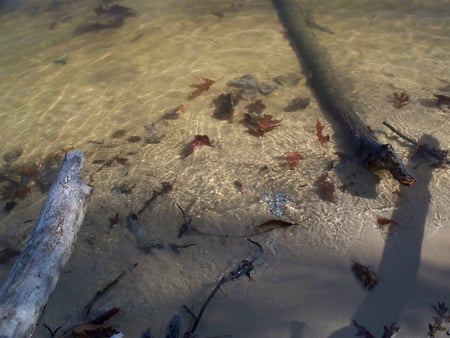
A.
x: 248, y: 81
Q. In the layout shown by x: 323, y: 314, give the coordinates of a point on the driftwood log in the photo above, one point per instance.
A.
x: 34, y: 275
x: 329, y: 92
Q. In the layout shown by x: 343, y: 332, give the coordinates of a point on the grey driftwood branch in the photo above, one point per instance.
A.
x: 331, y: 96
x: 34, y: 275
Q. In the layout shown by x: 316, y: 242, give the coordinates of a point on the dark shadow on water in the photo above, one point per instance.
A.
x: 400, y: 262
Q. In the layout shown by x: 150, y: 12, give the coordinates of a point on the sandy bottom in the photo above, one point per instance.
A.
x: 128, y: 78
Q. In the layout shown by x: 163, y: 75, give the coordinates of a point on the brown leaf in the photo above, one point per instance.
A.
x: 201, y: 87
x: 400, y: 100
x: 386, y: 223
x: 365, y: 275
x: 259, y: 125
x: 323, y: 139
x: 292, y: 158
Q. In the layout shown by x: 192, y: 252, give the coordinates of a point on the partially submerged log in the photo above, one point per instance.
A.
x: 328, y: 91
x: 34, y: 275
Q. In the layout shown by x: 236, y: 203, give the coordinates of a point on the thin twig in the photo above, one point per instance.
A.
x: 100, y: 293
x: 244, y: 268
x: 403, y: 136
x: 437, y: 153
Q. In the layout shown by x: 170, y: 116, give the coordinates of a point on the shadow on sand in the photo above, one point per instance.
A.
x: 401, y: 257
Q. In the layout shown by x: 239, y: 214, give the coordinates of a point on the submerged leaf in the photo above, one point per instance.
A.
x: 323, y: 139
x: 259, y: 125
x: 201, y: 87
x: 199, y: 140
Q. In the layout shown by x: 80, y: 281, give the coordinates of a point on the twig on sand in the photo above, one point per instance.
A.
x: 244, y: 268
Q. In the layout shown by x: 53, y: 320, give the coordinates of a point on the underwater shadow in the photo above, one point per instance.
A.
x: 400, y: 261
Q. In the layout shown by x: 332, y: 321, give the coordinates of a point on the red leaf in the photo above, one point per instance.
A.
x: 323, y: 139
x: 199, y: 140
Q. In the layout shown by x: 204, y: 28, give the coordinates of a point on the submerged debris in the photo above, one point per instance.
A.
x: 247, y: 81
x: 276, y: 200
x: 389, y: 331
x: 365, y: 275
x: 292, y: 159
x: 400, y: 100
x: 323, y: 139
x: 362, y: 331
x: 244, y: 268
x: 12, y: 155
x: 298, y: 103
x: 386, y: 223
x: 176, y: 247
x: 250, y: 82
x: 118, y: 133
x: 225, y: 106
x: 106, y: 18
x: 256, y: 107
x: 259, y: 125
x: 325, y: 188
x: 288, y: 80
x: 173, y: 114
x: 135, y: 227
x: 438, y: 321
x: 439, y: 154
x: 201, y: 87
x: 311, y: 22
x: 134, y: 138
x: 96, y: 327
x: 442, y: 100
x: 166, y: 187
x: 199, y: 140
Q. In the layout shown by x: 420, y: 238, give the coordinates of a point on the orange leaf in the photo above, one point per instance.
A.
x: 201, y: 87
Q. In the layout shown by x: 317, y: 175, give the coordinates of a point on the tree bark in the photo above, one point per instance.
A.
x: 34, y: 275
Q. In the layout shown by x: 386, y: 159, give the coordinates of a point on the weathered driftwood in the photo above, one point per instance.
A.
x: 34, y: 275
x: 331, y: 96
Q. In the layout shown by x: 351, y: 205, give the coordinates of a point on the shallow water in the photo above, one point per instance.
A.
x: 127, y: 78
